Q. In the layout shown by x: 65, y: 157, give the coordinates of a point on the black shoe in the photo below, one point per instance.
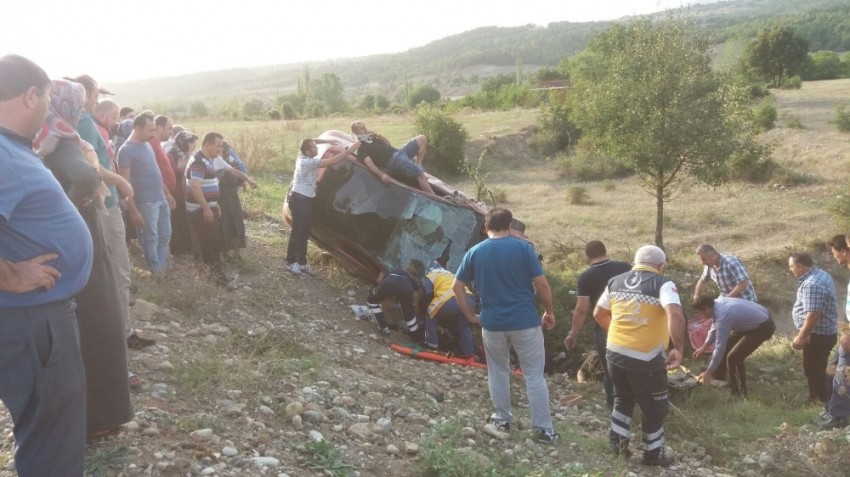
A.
x: 136, y: 342
x: 502, y: 426
x: 545, y: 437
x: 660, y: 460
x: 833, y: 423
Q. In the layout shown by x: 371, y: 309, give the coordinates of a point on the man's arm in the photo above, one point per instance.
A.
x: 676, y: 326
x: 135, y: 216
x: 811, y: 320
x: 198, y: 195
x: 544, y: 291
x: 459, y: 288
x: 699, y: 288
x: 579, y: 314
x: 385, y: 178
x: 125, y: 190
x: 602, y: 316
x: 342, y: 155
x: 26, y: 276
x: 739, y: 289
x: 242, y: 176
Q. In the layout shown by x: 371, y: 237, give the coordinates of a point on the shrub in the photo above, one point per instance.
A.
x: 423, y: 94
x: 794, y: 123
x: 792, y: 82
x: 608, y: 185
x: 446, y: 138
x: 764, y: 116
x: 287, y: 111
x: 586, y: 165
x: 751, y: 164
x: 842, y: 118
x: 273, y: 114
x: 500, y: 195
x: 578, y: 195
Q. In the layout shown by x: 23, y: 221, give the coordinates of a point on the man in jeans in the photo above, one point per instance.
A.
x: 150, y: 207
x: 506, y: 272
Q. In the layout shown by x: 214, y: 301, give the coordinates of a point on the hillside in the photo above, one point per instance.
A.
x: 483, y: 51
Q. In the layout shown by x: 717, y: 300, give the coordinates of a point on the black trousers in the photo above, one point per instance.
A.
x: 815, y: 357
x: 643, y: 383
x: 739, y: 346
x: 209, y: 238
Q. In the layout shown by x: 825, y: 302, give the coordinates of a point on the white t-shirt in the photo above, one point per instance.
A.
x: 306, y: 175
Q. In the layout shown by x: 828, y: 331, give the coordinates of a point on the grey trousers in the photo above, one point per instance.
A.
x: 42, y: 383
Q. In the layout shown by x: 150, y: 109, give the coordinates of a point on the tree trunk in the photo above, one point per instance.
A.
x: 659, y: 215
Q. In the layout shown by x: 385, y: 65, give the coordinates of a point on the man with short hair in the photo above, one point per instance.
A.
x: 164, y: 126
x: 45, y: 259
x: 591, y: 284
x: 837, y: 409
x: 642, y: 312
x: 202, y: 208
x: 376, y: 153
x: 400, y: 285
x: 739, y: 328
x: 150, y: 207
x: 816, y: 318
x: 507, y: 272
x: 727, y: 272
x: 126, y: 112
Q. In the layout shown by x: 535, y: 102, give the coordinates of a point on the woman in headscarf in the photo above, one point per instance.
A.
x: 180, y: 153
x: 102, y: 341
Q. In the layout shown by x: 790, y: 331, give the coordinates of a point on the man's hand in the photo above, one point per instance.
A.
x: 125, y: 189
x: 474, y: 319
x: 705, y: 377
x: 208, y: 215
x: 29, y: 275
x: 799, y: 342
x: 699, y: 351
x: 136, y: 218
x: 386, y: 179
x: 171, y: 203
x: 570, y: 341
x: 252, y: 183
x: 845, y: 341
x: 674, y: 358
x: 548, y: 320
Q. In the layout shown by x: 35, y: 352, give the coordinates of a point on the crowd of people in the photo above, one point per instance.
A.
x: 86, y: 177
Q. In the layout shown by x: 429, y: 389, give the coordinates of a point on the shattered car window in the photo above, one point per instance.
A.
x: 393, y: 223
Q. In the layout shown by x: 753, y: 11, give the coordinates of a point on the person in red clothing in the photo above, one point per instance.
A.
x: 164, y: 125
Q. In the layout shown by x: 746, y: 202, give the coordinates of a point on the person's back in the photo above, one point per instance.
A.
x: 503, y: 270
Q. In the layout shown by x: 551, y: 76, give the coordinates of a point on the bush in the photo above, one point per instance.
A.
x: 423, y: 94
x: 751, y: 164
x: 764, y: 116
x: 608, y: 185
x: 273, y: 114
x: 586, y: 165
x: 840, y: 209
x: 287, y: 111
x: 792, y: 82
x: 842, y: 118
x: 446, y: 138
x: 578, y: 195
x: 794, y: 123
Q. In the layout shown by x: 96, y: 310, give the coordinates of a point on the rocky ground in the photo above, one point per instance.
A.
x: 278, y: 379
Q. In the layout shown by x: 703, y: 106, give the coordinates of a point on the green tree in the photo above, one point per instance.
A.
x: 824, y: 65
x: 253, y: 108
x: 198, y: 109
x: 328, y: 90
x: 776, y: 53
x: 446, y: 137
x: 644, y: 94
x: 367, y: 103
x: 287, y: 111
x: 381, y: 102
x: 423, y: 94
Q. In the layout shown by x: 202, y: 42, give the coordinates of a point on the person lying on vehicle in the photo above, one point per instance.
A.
x: 378, y: 155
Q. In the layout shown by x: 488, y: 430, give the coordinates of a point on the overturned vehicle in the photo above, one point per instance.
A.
x: 371, y: 226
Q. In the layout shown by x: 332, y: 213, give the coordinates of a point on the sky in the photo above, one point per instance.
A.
x: 116, y: 41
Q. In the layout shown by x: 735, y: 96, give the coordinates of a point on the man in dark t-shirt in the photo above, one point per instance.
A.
x: 401, y: 285
x: 377, y: 154
x: 591, y: 284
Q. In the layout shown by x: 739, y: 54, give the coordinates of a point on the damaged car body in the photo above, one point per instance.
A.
x: 372, y: 226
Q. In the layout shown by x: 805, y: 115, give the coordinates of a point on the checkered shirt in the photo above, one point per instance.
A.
x: 729, y: 273
x: 816, y: 292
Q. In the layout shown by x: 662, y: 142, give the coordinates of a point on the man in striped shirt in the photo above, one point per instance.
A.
x: 202, y: 201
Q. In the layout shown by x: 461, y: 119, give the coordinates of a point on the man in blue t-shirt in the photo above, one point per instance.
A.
x: 45, y: 259
x: 506, y: 272
x: 150, y: 207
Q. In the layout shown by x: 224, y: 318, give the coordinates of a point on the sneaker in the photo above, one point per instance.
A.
x: 661, y: 460
x: 501, y: 426
x: 823, y: 418
x: 833, y: 423
x: 306, y: 269
x: 385, y: 331
x: 545, y: 437
x: 136, y: 342
x: 293, y: 268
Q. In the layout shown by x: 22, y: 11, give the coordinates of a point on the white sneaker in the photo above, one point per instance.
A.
x: 306, y: 269
x: 361, y: 312
x: 293, y: 268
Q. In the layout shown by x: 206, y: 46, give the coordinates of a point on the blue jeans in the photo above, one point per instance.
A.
x: 528, y: 345
x: 301, y: 208
x: 451, y: 316
x: 402, y: 162
x: 42, y: 383
x: 156, y: 234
